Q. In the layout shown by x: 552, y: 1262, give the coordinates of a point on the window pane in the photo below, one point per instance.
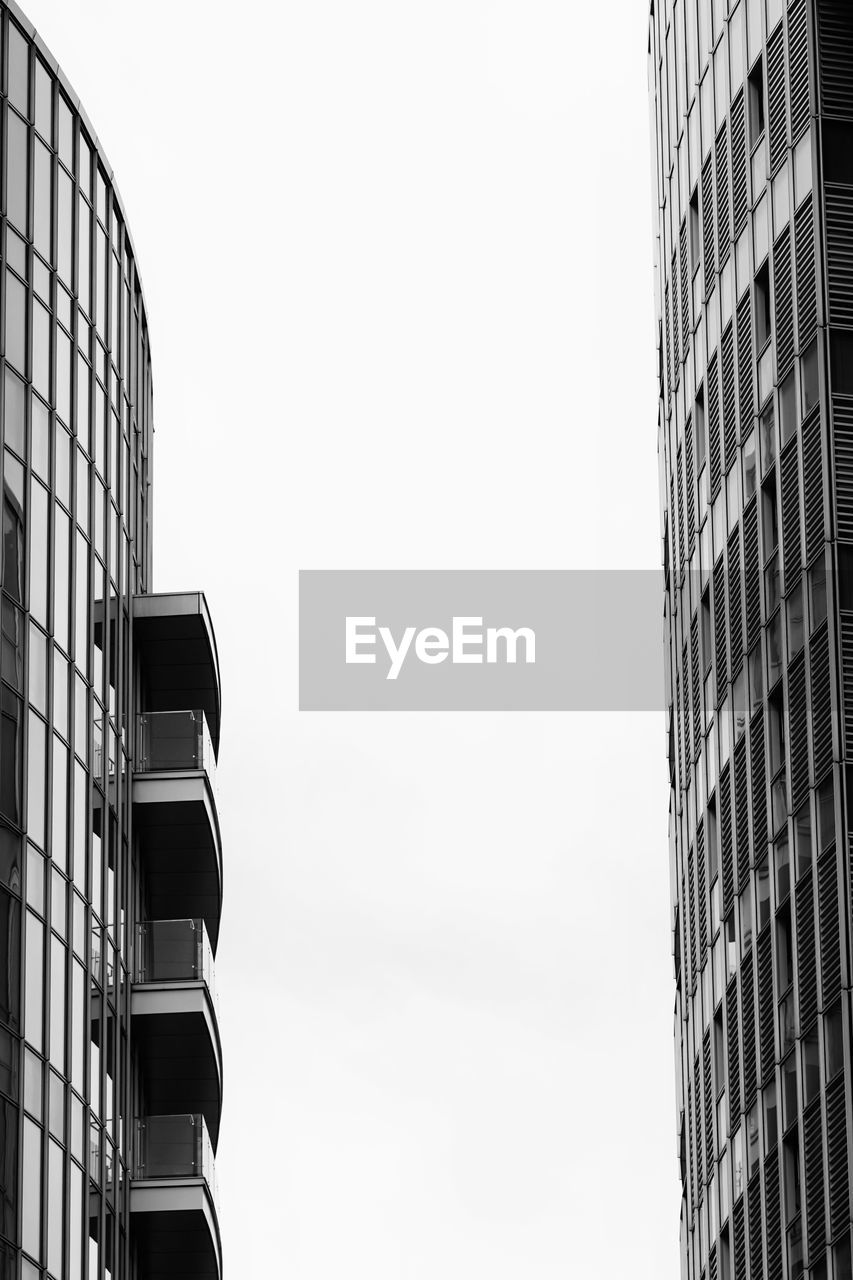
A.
x: 16, y: 328
x: 16, y: 171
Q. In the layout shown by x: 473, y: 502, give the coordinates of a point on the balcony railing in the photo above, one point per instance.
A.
x: 174, y: 741
x: 174, y: 951
x: 174, y: 1147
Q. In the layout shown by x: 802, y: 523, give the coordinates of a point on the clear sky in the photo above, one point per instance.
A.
x: 397, y: 260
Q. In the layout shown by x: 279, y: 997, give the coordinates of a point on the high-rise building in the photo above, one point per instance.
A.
x: 752, y: 130
x: 110, y: 854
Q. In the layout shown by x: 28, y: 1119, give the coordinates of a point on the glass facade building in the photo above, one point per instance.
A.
x: 110, y: 853
x: 751, y: 106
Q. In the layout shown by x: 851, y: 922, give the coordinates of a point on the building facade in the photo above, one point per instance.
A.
x: 752, y: 128
x: 110, y: 853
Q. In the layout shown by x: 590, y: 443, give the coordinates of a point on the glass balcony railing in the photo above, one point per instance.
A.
x: 170, y: 741
x: 174, y: 1147
x: 174, y: 951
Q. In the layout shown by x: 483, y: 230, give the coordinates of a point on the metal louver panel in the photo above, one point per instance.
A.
x: 842, y: 413
x: 723, y: 233
x: 759, y: 796
x: 701, y: 892
x: 735, y: 603
x: 685, y: 288
x: 835, y: 56
x: 753, y: 1200
x: 790, y: 473
x: 821, y: 703
x: 798, y: 67
x: 813, y: 485
x: 739, y: 1242
x: 709, y: 1103
x: 838, y: 209
x: 741, y: 814
x: 690, y: 487
x: 766, y: 1006
x: 734, y: 1054
x: 837, y: 1163
x: 740, y: 201
x: 691, y: 891
x: 679, y: 470
x: 797, y: 732
x: 771, y: 1216
x: 776, y: 113
x: 752, y: 576
x: 708, y: 224
x: 720, y: 630
x: 847, y: 678
x: 830, y: 943
x: 784, y: 308
x: 744, y: 362
x: 806, y: 279
x: 726, y: 848
x: 727, y: 365
x: 807, y: 965
x: 676, y: 333
x: 750, y: 1080
x: 696, y: 683
x: 714, y: 463
x: 700, y: 1136
x: 813, y: 1162
x: 667, y: 339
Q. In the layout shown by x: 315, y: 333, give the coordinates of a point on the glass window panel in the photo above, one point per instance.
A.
x: 84, y: 231
x: 16, y: 171
x: 41, y: 439
x: 15, y: 410
x: 16, y: 326
x: 44, y: 102
x: 803, y: 168
x: 13, y: 526
x: 33, y: 1084
x: 31, y: 1189
x: 63, y: 464
x: 38, y: 669
x: 59, y: 831
x: 81, y: 603
x: 34, y: 987
x: 36, y: 779
x: 56, y: 1206
x: 61, y: 585
x: 12, y: 645
x: 65, y: 227
x: 35, y: 879
x: 63, y: 375
x: 41, y: 350
x: 78, y: 1019
x: 81, y: 826
x: 75, y: 1224
x: 18, y: 70
x: 42, y: 199
x: 38, y: 551
x: 81, y: 719
x: 66, y: 134
x: 60, y: 693
x: 16, y: 252
x: 11, y: 724
x: 57, y: 1004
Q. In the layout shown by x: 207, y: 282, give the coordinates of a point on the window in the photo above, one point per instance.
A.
x: 756, y: 103
x: 762, y: 306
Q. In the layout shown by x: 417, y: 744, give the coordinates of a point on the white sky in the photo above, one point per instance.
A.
x: 397, y: 260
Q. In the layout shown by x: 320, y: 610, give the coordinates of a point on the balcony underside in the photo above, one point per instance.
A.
x: 175, y: 818
x: 180, y: 1054
x: 175, y: 1229
x: 175, y: 640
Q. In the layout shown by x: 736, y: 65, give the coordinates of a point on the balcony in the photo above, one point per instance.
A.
x: 174, y: 640
x: 176, y: 1022
x: 175, y: 815
x: 173, y: 1199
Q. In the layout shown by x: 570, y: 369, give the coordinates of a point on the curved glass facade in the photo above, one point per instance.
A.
x: 110, y: 864
x: 752, y: 128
